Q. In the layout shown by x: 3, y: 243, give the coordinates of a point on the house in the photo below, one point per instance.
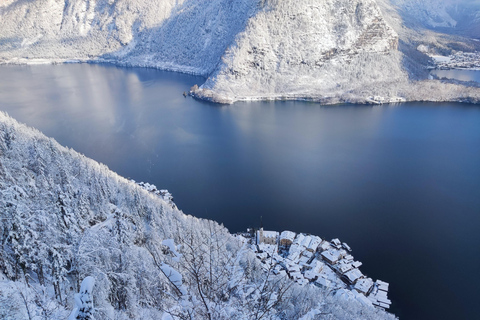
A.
x: 314, y: 271
x: 324, y: 245
x: 348, y: 258
x: 322, y: 282
x: 346, y: 247
x: 314, y: 243
x: 343, y: 267
x: 286, y: 238
x: 382, y: 285
x: 298, y: 241
x: 352, y: 276
x: 336, y: 243
x: 331, y: 256
x: 364, y: 285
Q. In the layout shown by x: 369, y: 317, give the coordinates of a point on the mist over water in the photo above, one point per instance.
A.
x: 399, y: 183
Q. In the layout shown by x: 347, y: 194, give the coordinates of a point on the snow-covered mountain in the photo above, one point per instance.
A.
x: 451, y: 16
x: 312, y: 49
x: 65, y: 218
x: 331, y: 50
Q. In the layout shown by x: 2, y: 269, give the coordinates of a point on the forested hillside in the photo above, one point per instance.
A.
x: 330, y: 51
x: 65, y: 217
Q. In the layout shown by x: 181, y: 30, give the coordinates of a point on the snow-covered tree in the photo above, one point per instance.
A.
x: 84, y: 309
x: 65, y: 218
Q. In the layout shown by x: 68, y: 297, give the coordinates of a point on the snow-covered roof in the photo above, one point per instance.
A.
x: 306, y: 241
x: 303, y: 260
x: 270, y: 234
x: 287, y: 235
x: 314, y: 243
x: 331, y: 255
x: 325, y: 245
x: 307, y: 254
x: 318, y: 266
x: 353, y: 275
x: 293, y: 268
x: 323, y: 282
x: 382, y: 285
x: 346, y: 246
x: 262, y: 256
x: 384, y: 300
x: 344, y: 267
x: 364, y: 285
x: 293, y: 255
x: 336, y: 242
x: 310, y: 275
x: 299, y: 239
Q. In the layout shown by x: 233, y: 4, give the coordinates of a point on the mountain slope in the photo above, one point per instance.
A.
x: 460, y: 17
x: 329, y: 51
x: 324, y: 50
x: 65, y: 217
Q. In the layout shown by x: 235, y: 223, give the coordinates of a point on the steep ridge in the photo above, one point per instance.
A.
x: 75, y: 29
x: 192, y: 39
x: 334, y: 49
x: 65, y: 217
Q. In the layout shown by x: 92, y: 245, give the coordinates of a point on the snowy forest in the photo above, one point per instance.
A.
x: 66, y: 218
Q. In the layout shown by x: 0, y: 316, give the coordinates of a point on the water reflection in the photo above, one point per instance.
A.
x: 462, y: 75
x: 400, y: 184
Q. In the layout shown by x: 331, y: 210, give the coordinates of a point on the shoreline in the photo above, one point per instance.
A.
x: 310, y: 260
x: 208, y: 95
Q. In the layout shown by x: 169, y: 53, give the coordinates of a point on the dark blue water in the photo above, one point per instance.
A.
x: 399, y: 183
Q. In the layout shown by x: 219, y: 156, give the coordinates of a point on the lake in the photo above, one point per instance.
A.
x: 399, y: 183
x: 458, y: 74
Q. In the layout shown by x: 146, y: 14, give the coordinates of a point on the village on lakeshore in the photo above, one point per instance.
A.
x: 458, y: 60
x: 307, y: 259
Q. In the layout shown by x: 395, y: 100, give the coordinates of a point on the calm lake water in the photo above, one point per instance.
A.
x: 463, y: 75
x: 399, y: 183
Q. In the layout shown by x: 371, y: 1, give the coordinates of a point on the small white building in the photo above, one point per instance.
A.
x: 286, y: 238
x: 314, y: 243
x: 352, y: 276
x: 336, y: 243
x: 324, y: 245
x: 364, y: 285
x: 346, y: 247
x: 322, y: 282
x: 343, y: 267
x: 331, y: 256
